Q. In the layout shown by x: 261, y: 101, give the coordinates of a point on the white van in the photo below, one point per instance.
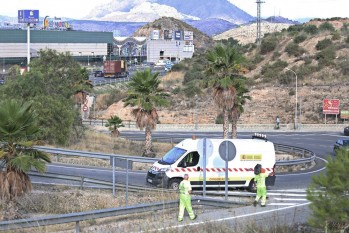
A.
x: 185, y: 158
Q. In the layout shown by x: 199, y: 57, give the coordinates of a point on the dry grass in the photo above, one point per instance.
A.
x: 104, y: 143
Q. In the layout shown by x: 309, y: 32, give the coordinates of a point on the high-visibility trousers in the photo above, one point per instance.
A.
x: 185, y: 202
x: 261, y: 193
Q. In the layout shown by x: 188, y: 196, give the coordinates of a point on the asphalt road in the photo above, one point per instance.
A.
x: 286, y: 205
x: 319, y: 142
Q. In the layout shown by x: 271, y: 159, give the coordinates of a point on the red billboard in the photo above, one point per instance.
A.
x: 331, y: 106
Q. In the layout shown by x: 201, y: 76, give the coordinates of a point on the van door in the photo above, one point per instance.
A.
x: 190, y: 165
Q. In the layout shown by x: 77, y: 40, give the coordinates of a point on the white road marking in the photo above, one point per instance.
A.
x: 282, y: 204
x: 290, y: 199
x: 232, y: 218
x: 286, y: 194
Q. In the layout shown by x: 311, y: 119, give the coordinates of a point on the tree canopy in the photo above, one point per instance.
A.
x: 329, y: 192
x: 145, y: 95
x: 53, y: 80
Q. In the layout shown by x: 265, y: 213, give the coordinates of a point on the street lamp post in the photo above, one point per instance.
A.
x: 196, y: 112
x: 295, y: 112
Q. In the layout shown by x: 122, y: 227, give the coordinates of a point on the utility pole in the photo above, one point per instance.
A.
x: 259, y: 31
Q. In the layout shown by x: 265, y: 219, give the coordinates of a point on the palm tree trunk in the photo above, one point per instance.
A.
x: 225, y: 124
x: 234, y: 130
x: 148, y: 147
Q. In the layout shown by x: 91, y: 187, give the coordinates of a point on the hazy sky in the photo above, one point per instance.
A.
x: 292, y: 9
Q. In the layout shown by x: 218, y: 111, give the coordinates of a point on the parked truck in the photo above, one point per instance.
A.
x: 115, y: 69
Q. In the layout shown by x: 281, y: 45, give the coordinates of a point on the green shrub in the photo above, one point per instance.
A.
x: 285, y: 79
x: 322, y: 44
x: 305, y: 70
x: 311, y: 29
x: 344, y: 28
x: 179, y: 67
x: 294, y: 49
x: 176, y: 90
x: 195, y: 73
x: 276, y: 55
x: 335, y: 36
x: 291, y: 92
x: 268, y: 44
x: 326, y: 26
x: 299, y: 39
x: 272, y: 71
x: 220, y: 119
x: 295, y: 28
x: 258, y: 58
x: 191, y: 89
x: 344, y: 66
x: 326, y: 56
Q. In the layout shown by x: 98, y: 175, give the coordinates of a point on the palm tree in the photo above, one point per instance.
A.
x: 240, y: 100
x: 17, y: 155
x: 223, y: 66
x: 114, y: 122
x: 145, y: 95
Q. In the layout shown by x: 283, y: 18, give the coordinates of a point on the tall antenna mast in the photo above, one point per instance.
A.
x: 259, y: 32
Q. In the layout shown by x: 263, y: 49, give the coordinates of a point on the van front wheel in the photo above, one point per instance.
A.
x: 174, y: 184
x: 252, y: 186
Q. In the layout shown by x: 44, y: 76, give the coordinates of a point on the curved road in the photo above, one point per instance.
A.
x: 319, y: 142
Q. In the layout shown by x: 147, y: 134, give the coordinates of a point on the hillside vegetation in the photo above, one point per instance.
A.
x: 317, y: 51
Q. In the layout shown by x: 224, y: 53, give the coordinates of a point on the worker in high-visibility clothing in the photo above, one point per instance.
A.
x: 185, y: 199
x: 261, y: 188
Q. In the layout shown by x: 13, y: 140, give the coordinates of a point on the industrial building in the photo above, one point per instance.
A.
x: 13, y: 43
x: 95, y: 46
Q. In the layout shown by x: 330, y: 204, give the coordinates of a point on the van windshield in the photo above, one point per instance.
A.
x: 172, y: 156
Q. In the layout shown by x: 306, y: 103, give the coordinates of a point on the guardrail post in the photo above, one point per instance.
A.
x: 77, y: 226
x: 129, y: 123
x: 57, y: 157
x: 82, y: 182
x: 303, y: 153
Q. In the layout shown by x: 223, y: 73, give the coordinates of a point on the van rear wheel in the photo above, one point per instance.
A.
x: 174, y: 184
x: 252, y: 186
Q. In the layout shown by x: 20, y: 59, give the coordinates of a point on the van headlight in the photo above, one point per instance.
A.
x: 164, y: 169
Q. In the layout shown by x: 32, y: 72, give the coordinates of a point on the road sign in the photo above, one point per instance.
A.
x: 121, y: 162
x: 28, y: 16
x: 205, y: 145
x: 227, y: 153
x: 331, y: 106
x: 84, y: 108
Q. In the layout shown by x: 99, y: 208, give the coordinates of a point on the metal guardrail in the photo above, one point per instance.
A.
x: 110, y: 81
x: 307, y: 155
x: 111, y: 212
x: 218, y: 127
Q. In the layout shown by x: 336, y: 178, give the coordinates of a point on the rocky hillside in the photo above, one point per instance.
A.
x: 247, y: 33
x: 318, y: 52
x: 201, y: 40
